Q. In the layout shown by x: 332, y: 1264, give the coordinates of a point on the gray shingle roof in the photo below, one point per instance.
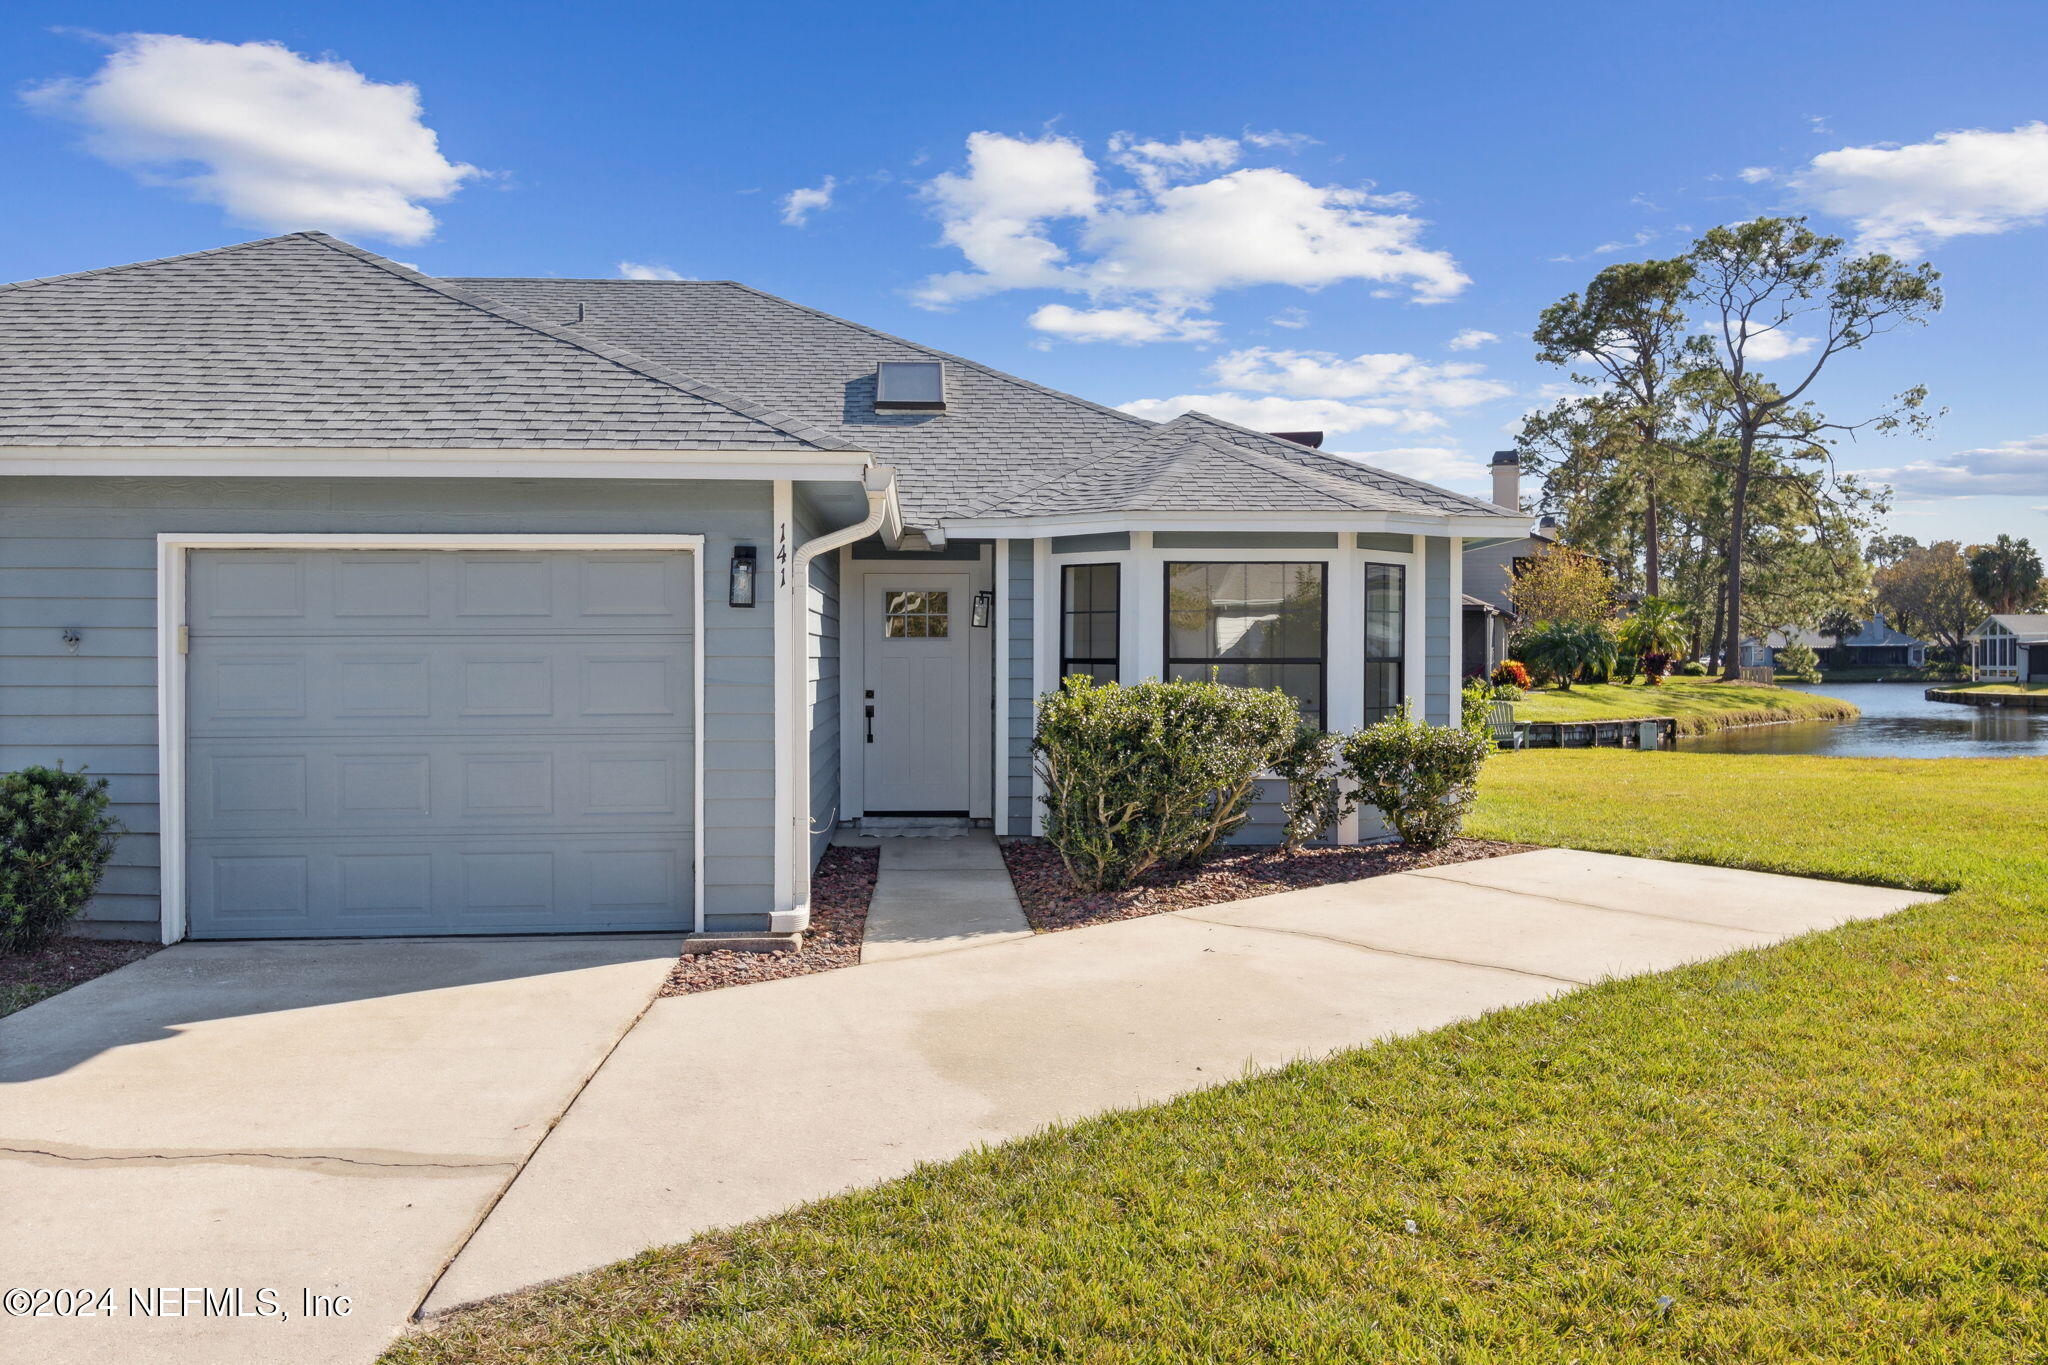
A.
x: 997, y: 429
x: 303, y: 340
x: 1199, y: 463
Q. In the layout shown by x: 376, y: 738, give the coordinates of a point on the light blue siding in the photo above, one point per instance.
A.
x: 1439, y: 691
x: 1021, y: 689
x: 51, y: 529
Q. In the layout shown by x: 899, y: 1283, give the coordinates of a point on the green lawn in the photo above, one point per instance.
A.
x: 1831, y: 1150
x: 1993, y: 687
x: 1700, y: 704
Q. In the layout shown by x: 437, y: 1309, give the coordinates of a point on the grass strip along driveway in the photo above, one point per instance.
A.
x: 1824, y: 1151
x: 1699, y: 704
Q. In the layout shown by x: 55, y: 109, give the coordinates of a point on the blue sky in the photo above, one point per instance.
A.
x: 1337, y: 216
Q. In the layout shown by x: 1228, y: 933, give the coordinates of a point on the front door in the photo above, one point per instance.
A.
x: 915, y: 707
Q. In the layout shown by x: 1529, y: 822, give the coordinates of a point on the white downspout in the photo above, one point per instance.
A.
x: 880, y: 486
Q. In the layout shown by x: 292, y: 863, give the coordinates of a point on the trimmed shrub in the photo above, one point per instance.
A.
x: 1511, y: 673
x: 1315, y: 797
x: 1692, y: 668
x: 1422, y: 778
x: 55, y: 839
x: 1153, y: 774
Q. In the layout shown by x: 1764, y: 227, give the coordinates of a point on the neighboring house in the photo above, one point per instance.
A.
x: 2010, y: 648
x: 1874, y: 645
x: 396, y: 605
x: 1491, y: 565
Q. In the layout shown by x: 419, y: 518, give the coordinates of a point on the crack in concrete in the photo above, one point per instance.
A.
x: 1442, y: 875
x: 1384, y: 952
x: 88, y: 1157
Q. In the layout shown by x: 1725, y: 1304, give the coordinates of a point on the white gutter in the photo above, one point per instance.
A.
x: 880, y: 485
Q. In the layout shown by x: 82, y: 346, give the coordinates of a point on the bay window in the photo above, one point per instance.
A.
x: 1249, y: 625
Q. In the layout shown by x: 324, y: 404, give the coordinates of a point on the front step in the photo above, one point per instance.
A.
x: 744, y: 941
x: 914, y: 827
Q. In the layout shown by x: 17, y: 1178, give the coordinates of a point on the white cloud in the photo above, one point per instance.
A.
x: 1385, y: 377
x: 996, y: 215
x: 2011, y: 468
x: 1033, y: 214
x: 1754, y: 175
x: 1609, y: 248
x: 1471, y: 339
x: 280, y: 141
x: 648, y: 270
x: 1271, y: 413
x: 1156, y: 164
x: 1767, y: 344
x: 1293, y: 319
x: 1906, y: 199
x: 799, y: 205
x: 1443, y: 465
x: 1128, y: 326
x: 1273, y: 140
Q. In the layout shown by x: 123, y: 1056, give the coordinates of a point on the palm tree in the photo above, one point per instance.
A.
x: 1658, y: 626
x: 2006, y: 575
x: 1839, y: 624
x: 1564, y: 649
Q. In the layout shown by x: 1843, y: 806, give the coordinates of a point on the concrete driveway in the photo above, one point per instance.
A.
x: 327, y: 1118
x: 733, y: 1105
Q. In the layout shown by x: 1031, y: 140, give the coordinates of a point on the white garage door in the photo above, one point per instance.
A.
x: 433, y: 742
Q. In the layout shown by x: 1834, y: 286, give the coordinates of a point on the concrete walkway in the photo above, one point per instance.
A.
x: 331, y: 1117
x: 938, y: 895
x: 733, y: 1105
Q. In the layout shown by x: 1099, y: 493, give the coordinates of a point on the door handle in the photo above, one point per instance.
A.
x: 871, y: 724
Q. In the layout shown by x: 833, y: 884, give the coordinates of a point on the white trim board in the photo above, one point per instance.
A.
x: 427, y: 463
x: 172, y: 549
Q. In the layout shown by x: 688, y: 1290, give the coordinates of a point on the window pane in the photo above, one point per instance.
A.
x: 935, y: 626
x: 1238, y: 622
x: 1385, y: 610
x: 1382, y: 691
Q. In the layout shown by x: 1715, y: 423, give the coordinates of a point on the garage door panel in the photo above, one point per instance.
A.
x: 385, y: 742
x: 314, y: 592
x: 336, y: 787
x: 496, y: 885
x: 456, y: 686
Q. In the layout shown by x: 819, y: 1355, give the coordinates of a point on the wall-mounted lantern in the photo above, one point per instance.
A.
x: 984, y: 607
x: 740, y: 589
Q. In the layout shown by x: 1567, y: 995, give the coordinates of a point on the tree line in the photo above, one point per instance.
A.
x: 1695, y: 458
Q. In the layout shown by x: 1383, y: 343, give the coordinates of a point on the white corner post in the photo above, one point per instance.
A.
x: 1457, y: 544
x: 999, y: 758
x: 792, y: 909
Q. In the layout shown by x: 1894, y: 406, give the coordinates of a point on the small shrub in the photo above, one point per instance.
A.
x: 1422, y: 778
x: 1511, y: 673
x: 1315, y: 795
x: 1475, y: 709
x: 1692, y: 668
x: 55, y: 839
x: 1565, y: 650
x: 1656, y: 667
x: 1153, y: 774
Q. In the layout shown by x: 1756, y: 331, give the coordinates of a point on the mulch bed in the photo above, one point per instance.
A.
x: 28, y: 977
x: 1051, y: 902
x: 840, y: 891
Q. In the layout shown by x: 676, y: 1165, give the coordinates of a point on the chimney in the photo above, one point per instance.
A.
x: 1507, y: 480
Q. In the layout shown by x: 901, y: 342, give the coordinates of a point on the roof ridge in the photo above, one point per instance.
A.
x: 1271, y: 464
x: 138, y: 265
x: 796, y: 428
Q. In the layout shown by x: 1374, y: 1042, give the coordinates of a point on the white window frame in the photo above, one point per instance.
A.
x: 172, y: 551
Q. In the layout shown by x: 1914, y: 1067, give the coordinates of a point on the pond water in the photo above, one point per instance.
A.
x: 1897, y: 722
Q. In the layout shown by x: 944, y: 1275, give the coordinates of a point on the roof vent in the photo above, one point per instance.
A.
x: 910, y: 386
x: 1312, y: 439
